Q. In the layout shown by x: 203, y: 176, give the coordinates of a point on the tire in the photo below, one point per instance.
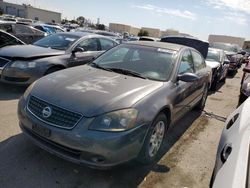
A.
x: 202, y: 102
x: 223, y: 80
x: 52, y: 69
x: 154, y: 140
x: 242, y: 98
x: 214, y: 84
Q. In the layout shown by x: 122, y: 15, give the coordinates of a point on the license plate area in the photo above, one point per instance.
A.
x: 45, y: 132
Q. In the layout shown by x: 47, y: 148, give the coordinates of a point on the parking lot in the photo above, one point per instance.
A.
x: 187, y: 161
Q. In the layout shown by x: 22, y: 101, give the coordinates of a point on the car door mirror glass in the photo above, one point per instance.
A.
x: 188, y: 77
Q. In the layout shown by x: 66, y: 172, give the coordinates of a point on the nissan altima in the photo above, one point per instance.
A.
x: 23, y: 64
x: 117, y: 108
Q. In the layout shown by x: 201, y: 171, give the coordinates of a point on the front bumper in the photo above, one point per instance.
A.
x: 80, y: 145
x: 232, y: 66
x: 18, y: 76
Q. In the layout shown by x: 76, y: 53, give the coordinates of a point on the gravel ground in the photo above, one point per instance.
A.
x: 187, y: 160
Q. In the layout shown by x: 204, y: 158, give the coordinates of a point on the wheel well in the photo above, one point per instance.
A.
x: 166, y: 111
x: 55, y: 67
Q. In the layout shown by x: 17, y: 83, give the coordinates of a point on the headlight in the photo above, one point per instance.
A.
x: 23, y: 64
x: 28, y: 90
x: 120, y: 120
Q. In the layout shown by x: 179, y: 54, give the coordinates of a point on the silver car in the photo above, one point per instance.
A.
x: 232, y: 160
x: 23, y: 64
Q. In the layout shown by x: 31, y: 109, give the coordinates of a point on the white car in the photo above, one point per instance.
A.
x: 232, y: 161
x: 216, y: 59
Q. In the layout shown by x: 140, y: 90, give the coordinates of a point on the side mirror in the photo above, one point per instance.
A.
x: 242, y: 53
x: 77, y: 49
x: 246, y: 69
x: 188, y: 77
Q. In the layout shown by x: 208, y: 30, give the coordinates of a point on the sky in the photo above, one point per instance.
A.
x: 196, y: 17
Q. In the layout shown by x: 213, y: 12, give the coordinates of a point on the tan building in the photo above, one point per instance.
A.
x: 169, y: 32
x: 134, y: 31
x: 152, y: 32
x: 246, y: 44
x: 30, y: 12
x: 226, y: 39
x: 120, y: 28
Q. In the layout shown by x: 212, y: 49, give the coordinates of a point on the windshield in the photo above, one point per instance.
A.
x: 149, y: 62
x: 57, y: 41
x: 52, y: 29
x: 213, y: 55
x: 225, y: 47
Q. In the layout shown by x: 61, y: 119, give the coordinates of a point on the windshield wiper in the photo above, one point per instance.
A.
x: 128, y: 72
x: 100, y: 67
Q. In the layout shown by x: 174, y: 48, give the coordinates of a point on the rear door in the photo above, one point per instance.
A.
x: 201, y: 72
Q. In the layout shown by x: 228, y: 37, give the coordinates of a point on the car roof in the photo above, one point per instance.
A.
x: 171, y: 46
x: 79, y: 34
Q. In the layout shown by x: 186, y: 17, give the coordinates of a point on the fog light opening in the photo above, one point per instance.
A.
x: 226, y: 152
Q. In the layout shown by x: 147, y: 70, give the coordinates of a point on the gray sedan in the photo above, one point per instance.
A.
x: 23, y: 64
x: 119, y: 107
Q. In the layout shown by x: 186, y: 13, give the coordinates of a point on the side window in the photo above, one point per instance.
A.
x: 198, y: 61
x: 7, y: 28
x: 187, y: 64
x: 37, y: 32
x: 20, y: 29
x: 106, y: 44
x: 89, y: 45
x: 40, y: 28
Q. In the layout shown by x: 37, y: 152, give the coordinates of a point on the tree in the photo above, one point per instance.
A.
x: 143, y: 33
x: 100, y: 26
x: 81, y: 20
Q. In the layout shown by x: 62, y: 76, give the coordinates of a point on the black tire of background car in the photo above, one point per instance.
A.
x: 214, y: 84
x: 144, y: 157
x: 201, y: 104
x: 52, y: 69
x: 223, y: 80
x: 242, y: 98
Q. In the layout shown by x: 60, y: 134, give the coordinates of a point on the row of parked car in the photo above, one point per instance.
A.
x: 119, y: 105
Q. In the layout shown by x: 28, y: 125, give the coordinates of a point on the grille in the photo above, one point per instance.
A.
x: 3, y: 61
x: 59, y: 117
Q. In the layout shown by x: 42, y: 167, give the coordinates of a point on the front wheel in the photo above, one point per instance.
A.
x: 154, y: 140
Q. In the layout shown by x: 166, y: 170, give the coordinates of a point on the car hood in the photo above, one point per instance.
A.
x: 213, y: 64
x: 92, y: 91
x: 28, y: 52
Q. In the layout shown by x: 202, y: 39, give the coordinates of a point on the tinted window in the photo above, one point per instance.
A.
x: 57, y: 41
x: 106, y: 44
x: 89, y: 45
x: 40, y: 28
x: 198, y: 61
x: 20, y: 29
x: 6, y: 40
x: 7, y: 28
x: 153, y: 63
x: 186, y: 63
